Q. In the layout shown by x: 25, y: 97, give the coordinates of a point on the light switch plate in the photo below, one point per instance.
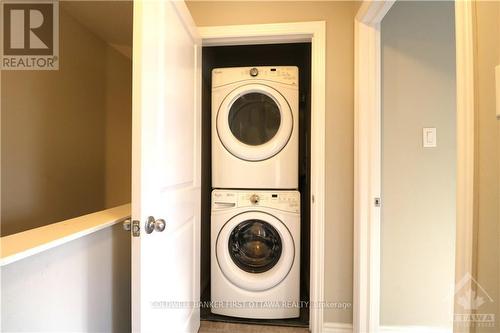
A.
x: 497, y: 79
x: 429, y: 137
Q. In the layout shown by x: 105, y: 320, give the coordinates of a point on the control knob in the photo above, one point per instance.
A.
x: 254, y: 72
x: 254, y: 199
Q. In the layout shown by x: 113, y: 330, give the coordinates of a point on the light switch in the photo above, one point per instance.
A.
x: 429, y: 137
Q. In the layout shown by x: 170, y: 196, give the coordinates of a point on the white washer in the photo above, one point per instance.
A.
x: 255, y: 254
x: 255, y: 127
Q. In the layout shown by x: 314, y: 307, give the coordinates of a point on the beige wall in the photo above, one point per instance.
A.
x: 118, y: 141
x: 418, y: 184
x: 52, y: 135
x: 488, y: 159
x: 339, y: 17
x: 62, y: 151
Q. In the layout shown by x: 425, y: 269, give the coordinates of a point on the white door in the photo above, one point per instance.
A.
x: 165, y: 168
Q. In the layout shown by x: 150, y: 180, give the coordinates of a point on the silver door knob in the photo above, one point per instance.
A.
x: 160, y: 225
x: 152, y: 224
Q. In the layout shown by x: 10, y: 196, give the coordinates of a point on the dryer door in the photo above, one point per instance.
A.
x: 255, y: 251
x: 254, y: 122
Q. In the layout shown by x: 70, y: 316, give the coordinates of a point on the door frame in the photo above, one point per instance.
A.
x: 314, y: 32
x: 366, y: 315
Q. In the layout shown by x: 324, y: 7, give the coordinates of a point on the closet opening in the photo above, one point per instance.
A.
x: 274, y: 56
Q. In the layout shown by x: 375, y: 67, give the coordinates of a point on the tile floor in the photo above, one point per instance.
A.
x: 220, y: 327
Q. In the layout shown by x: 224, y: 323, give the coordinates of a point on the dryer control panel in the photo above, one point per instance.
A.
x: 283, y: 200
x: 283, y: 74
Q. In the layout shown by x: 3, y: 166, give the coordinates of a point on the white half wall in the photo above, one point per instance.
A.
x: 81, y: 286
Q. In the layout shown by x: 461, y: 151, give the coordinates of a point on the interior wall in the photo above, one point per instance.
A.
x: 418, y: 184
x: 52, y: 135
x: 81, y: 286
x: 339, y: 17
x: 487, y: 224
x: 118, y: 130
x: 66, y: 133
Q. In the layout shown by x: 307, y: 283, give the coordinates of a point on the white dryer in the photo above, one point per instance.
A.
x: 255, y: 127
x: 255, y: 254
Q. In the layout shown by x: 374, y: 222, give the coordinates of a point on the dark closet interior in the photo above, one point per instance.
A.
x: 294, y: 54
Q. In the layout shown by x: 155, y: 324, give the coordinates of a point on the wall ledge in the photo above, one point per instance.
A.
x: 27, y: 243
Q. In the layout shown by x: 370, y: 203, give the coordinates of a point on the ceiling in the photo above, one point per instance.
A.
x: 110, y: 20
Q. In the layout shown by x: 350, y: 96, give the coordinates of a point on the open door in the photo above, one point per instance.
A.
x: 165, y: 168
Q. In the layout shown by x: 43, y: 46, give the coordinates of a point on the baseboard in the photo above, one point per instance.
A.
x: 414, y: 329
x: 347, y: 328
x: 337, y: 328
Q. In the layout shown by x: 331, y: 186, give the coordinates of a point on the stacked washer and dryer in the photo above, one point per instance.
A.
x: 255, y: 216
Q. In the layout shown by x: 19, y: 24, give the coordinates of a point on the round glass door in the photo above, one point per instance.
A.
x: 254, y: 118
x: 255, y: 251
x: 254, y: 122
x: 255, y: 246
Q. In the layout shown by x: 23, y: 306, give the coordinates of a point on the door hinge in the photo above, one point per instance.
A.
x: 377, y: 202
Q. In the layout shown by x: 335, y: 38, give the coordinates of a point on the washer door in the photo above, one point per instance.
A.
x: 255, y: 251
x: 254, y: 122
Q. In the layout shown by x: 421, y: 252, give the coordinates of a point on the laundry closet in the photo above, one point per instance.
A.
x: 255, y: 186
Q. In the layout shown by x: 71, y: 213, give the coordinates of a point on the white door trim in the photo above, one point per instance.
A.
x: 464, y: 32
x: 368, y: 156
x: 314, y: 32
x: 367, y: 111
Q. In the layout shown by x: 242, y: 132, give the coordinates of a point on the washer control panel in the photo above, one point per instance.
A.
x: 283, y: 74
x: 283, y: 200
